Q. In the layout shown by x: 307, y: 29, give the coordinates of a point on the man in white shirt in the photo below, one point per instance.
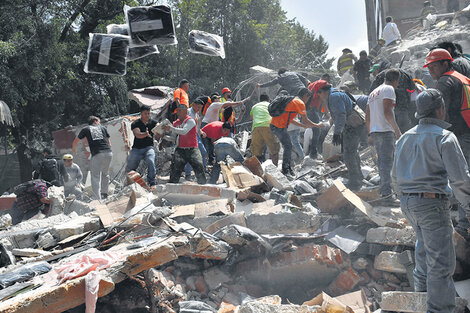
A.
x: 212, y: 113
x: 390, y: 33
x: 383, y: 129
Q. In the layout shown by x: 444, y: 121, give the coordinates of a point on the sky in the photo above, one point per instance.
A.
x: 341, y: 22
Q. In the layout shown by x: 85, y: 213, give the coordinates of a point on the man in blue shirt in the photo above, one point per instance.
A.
x: 346, y: 133
x: 428, y: 158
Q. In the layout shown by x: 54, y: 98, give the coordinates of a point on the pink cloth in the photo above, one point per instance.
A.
x: 89, y: 264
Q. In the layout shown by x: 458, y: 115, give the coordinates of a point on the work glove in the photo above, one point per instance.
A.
x: 337, y: 139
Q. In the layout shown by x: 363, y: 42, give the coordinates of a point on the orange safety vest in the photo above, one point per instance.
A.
x: 465, y: 107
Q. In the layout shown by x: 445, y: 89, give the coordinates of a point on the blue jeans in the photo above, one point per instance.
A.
x: 202, y: 148
x: 296, y: 146
x: 137, y: 155
x: 463, y: 224
x: 221, y: 150
x: 313, y: 147
x: 284, y: 138
x: 351, y: 137
x: 434, y: 251
x: 385, y: 146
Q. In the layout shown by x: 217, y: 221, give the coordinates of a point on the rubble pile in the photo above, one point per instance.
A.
x: 261, y: 242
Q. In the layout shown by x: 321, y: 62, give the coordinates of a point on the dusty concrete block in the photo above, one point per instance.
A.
x: 5, y: 221
x: 392, y: 236
x: 284, y: 222
x: 45, y: 240
x: 215, y: 277
x: 77, y: 206
x: 190, y: 194
x: 413, y: 302
x: 388, y: 261
x: 77, y: 226
x: 274, y: 176
x: 30, y: 252
x: 235, y: 218
x: 360, y: 264
x: 259, y: 307
x: 301, y: 187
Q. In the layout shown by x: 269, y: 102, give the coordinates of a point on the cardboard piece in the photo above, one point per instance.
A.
x: 328, y: 303
x: 254, y: 166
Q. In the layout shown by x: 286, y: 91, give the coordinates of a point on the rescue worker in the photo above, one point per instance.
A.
x: 427, y: 9
x: 346, y: 61
x: 361, y: 72
x: 460, y: 63
x: 180, y: 95
x: 31, y: 198
x: 340, y: 107
x: 428, y: 158
x: 194, y: 111
x: 292, y: 82
x: 187, y: 150
x: 375, y: 51
x: 223, y: 147
x: 391, y: 34
x: 451, y: 84
x: 74, y: 184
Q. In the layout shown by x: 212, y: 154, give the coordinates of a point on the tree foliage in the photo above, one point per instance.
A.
x: 43, y: 46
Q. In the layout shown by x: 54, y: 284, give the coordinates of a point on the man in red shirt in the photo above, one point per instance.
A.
x: 187, y: 150
x: 211, y: 132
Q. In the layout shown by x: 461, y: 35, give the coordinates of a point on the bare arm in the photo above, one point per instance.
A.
x: 309, y: 123
x: 109, y: 141
x: 232, y: 104
x: 139, y: 134
x: 390, y: 117
x: 74, y: 145
x: 45, y: 200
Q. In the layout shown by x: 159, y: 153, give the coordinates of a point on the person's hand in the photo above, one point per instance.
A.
x: 320, y: 125
x: 397, y: 134
x: 203, y: 134
x: 166, y: 128
x: 87, y: 154
x: 337, y: 139
x: 370, y: 140
x: 257, y: 85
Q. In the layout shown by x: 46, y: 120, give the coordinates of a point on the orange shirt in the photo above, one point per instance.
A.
x: 296, y: 106
x: 182, y: 96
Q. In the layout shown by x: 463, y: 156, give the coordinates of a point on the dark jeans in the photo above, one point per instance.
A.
x: 179, y: 160
x: 402, y: 116
x: 314, y: 116
x: 364, y: 85
x: 284, y: 138
x: 463, y: 224
x: 434, y: 251
x: 202, y: 148
x: 221, y: 151
x: 385, y: 146
x: 351, y: 138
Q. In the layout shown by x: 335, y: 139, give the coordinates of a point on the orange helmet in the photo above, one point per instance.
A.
x: 437, y: 55
x: 226, y: 90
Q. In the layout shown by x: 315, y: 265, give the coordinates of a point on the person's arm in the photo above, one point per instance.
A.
x: 138, y: 134
x: 109, y: 142
x: 457, y: 170
x: 190, y: 124
x: 177, y: 98
x: 231, y: 104
x: 45, y: 200
x: 63, y: 171
x: 307, y: 123
x: 303, y: 80
x: 74, y: 145
x: 390, y: 116
x: 270, y: 83
x: 338, y: 112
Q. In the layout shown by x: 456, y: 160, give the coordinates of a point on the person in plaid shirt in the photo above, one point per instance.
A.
x: 30, y: 198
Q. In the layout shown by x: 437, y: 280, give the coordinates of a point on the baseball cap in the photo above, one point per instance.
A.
x: 428, y: 101
x: 374, y: 68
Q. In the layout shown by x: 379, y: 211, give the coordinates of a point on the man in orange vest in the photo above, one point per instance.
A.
x: 180, y: 96
x: 456, y: 93
x: 187, y: 150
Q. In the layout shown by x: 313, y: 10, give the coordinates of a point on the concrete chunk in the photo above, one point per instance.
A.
x: 214, y: 277
x: 392, y: 236
x: 30, y: 252
x: 274, y: 176
x: 388, y: 261
x: 76, y: 226
x: 412, y: 302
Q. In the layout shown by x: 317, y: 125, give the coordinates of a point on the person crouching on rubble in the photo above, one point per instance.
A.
x: 187, y: 150
x: 223, y: 147
x: 74, y: 184
x: 428, y: 158
x: 31, y: 198
x: 347, y: 130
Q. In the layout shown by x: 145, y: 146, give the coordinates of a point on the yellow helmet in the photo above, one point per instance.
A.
x: 67, y: 157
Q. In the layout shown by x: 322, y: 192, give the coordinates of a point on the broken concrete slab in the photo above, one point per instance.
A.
x: 412, y: 302
x: 77, y: 226
x: 181, y: 194
x: 392, y: 236
x: 257, y: 307
x: 235, y: 218
x: 285, y: 222
x: 274, y: 176
x: 215, y: 277
x: 29, y: 252
x: 388, y: 261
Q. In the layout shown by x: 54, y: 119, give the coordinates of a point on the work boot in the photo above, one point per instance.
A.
x: 288, y: 171
x: 389, y: 200
x: 104, y: 195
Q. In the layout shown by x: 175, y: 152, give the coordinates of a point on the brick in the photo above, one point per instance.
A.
x: 345, y: 282
x: 388, y: 261
x: 412, y: 302
x: 392, y: 236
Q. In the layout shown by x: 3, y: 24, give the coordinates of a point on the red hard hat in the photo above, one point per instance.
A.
x: 226, y: 90
x: 437, y: 55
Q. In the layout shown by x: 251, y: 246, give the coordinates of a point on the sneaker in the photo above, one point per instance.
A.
x: 288, y: 171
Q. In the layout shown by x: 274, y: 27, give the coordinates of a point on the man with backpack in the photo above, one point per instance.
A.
x: 96, y: 139
x: 348, y: 128
x: 283, y: 110
x: 455, y: 89
x: 291, y: 82
x: 51, y: 170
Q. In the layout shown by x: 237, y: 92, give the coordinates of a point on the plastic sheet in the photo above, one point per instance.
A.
x: 135, y: 53
x: 107, y: 54
x: 150, y: 25
x: 92, y: 286
x: 206, y: 43
x: 24, y: 273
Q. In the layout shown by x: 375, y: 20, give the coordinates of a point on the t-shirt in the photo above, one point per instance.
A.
x: 260, y: 113
x: 213, y: 130
x: 97, y: 137
x: 212, y: 113
x: 182, y: 96
x: 296, y: 106
x: 140, y: 143
x: 378, y: 122
x: 31, y: 199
